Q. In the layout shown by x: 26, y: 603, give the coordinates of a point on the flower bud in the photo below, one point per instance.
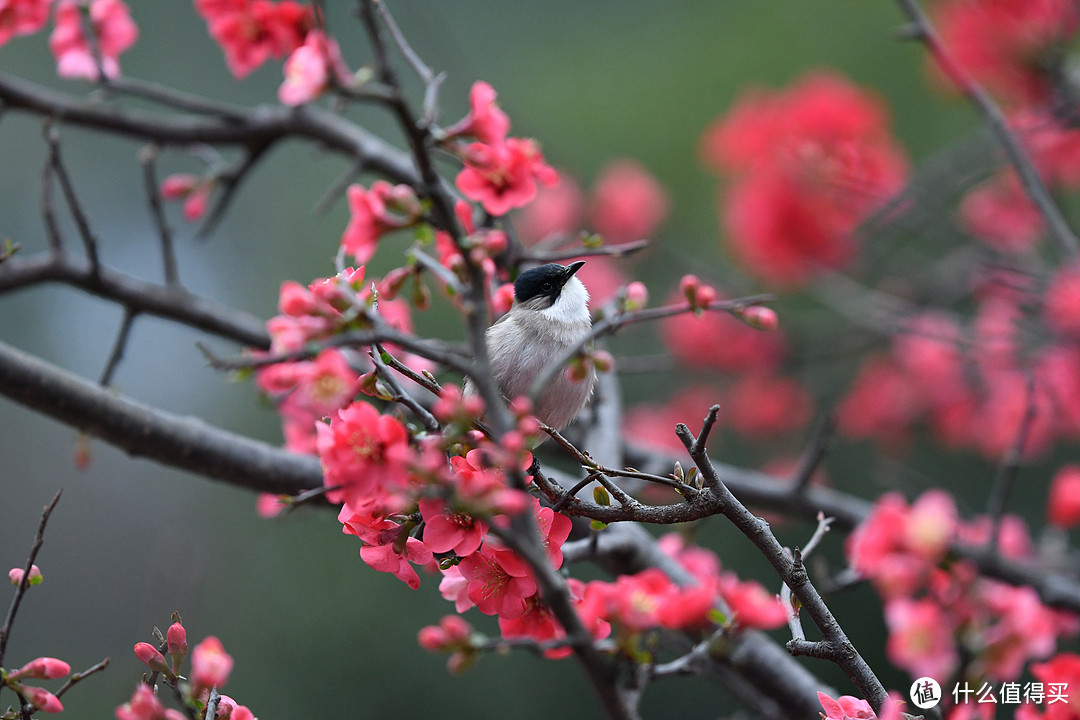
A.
x: 602, y: 360
x: 151, y: 657
x: 44, y: 668
x: 637, y: 295
x: 688, y: 286
x: 41, y: 698
x: 176, y: 639
x: 177, y: 186
x: 760, y: 317
x: 15, y: 575
x: 706, y: 296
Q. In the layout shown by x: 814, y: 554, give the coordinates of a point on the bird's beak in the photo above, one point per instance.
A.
x: 573, y: 268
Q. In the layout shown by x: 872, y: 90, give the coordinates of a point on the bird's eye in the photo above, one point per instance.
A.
x: 547, y: 287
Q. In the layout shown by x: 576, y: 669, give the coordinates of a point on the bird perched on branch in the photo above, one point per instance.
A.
x: 550, y: 316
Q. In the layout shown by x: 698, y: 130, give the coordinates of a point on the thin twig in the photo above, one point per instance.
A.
x: 24, y: 582
x: 339, y: 186
x: 71, y: 681
x: 610, y: 324
x: 399, y: 393
x: 230, y: 183
x: 77, y: 214
x: 119, y: 346
x: 148, y: 158
x: 619, y: 251
x: 815, y: 452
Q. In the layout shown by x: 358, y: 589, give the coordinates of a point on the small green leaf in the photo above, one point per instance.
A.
x: 601, y: 496
x: 597, y: 525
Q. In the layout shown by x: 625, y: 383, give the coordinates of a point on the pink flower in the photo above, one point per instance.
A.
x: 628, y: 203
x: 15, y: 575
x: 689, y: 607
x: 309, y: 69
x: 252, y: 31
x: 454, y: 587
x: 897, y: 547
x: 554, y: 528
x: 22, y: 17
x: 753, y: 606
x: 1063, y: 505
x: 388, y: 559
x: 810, y: 163
x: 920, y: 638
x: 446, y: 529
x: 845, y: 707
x: 498, y: 581
x: 364, y: 452
x: 210, y: 664
x: 503, y: 176
x: 326, y: 384
x: 113, y: 28
x: 42, y: 668
x: 375, y: 212
x: 485, y: 121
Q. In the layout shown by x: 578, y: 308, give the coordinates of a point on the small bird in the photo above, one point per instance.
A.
x: 550, y: 315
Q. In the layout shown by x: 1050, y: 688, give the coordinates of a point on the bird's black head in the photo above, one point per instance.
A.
x: 544, y: 282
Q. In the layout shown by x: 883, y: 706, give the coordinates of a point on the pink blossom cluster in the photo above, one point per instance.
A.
x: 806, y: 166
x: 253, y: 31
x: 626, y: 607
x: 210, y: 670
x: 306, y: 391
x: 501, y: 172
x: 756, y: 399
x: 973, y: 385
x: 939, y: 609
x: 76, y: 56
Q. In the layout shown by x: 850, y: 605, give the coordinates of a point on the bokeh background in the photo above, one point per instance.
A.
x: 314, y: 631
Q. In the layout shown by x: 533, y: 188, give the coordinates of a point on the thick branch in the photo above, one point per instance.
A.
x: 182, y: 442
x: 171, y: 303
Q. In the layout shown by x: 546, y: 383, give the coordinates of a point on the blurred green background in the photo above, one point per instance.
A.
x: 315, y: 632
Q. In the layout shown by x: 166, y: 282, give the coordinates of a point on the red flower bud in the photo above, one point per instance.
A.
x: 760, y: 317
x: 151, y: 657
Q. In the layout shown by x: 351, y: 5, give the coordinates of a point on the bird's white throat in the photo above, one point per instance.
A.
x: 572, y: 305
